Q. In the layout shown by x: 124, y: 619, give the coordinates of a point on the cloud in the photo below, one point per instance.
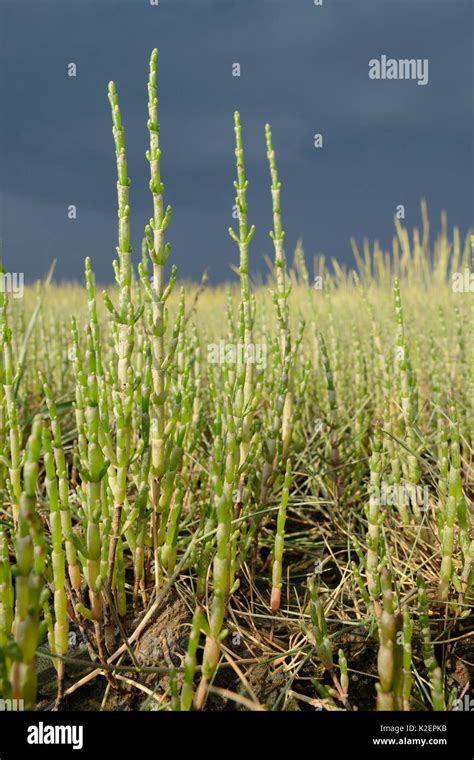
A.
x: 304, y: 69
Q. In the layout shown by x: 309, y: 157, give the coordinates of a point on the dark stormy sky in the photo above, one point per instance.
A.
x: 303, y: 68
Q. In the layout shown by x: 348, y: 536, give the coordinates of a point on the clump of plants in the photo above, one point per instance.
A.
x: 294, y: 533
